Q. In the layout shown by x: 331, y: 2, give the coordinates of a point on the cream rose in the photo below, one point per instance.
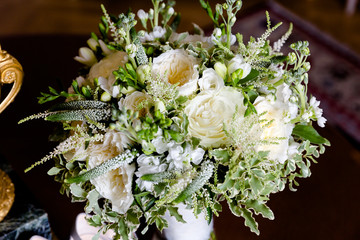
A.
x: 136, y: 101
x: 177, y: 67
x: 280, y: 112
x: 209, y: 111
x: 116, y: 184
x: 210, y: 80
x: 107, y: 65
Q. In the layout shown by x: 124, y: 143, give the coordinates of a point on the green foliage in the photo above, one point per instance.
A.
x: 307, y: 132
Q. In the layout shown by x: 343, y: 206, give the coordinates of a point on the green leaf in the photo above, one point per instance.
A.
x: 260, y: 208
x: 77, y: 191
x: 174, y: 212
x: 123, y: 229
x: 255, y: 184
x: 220, y: 154
x: 251, y: 76
x: 249, y: 220
x: 309, y: 133
x: 54, y: 171
x: 246, y: 214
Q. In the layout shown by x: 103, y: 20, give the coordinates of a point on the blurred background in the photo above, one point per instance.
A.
x: 45, y: 35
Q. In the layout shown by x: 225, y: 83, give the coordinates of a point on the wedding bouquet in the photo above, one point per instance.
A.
x: 159, y: 119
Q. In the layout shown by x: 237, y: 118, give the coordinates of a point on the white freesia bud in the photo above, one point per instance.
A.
x: 151, y: 13
x: 171, y: 11
x: 238, y: 63
x: 93, y: 44
x: 143, y: 72
x: 128, y: 90
x: 86, y: 56
x: 217, y: 33
x: 131, y: 50
x: 104, y: 48
x: 142, y: 14
x: 105, y: 97
x: 220, y: 69
x: 159, y: 105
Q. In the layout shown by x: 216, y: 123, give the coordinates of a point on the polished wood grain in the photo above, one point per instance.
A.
x: 19, y: 17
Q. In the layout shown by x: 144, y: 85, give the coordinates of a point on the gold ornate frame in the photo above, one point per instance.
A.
x: 10, y: 72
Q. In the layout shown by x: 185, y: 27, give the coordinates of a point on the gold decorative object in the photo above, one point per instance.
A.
x: 10, y: 72
x: 7, y: 194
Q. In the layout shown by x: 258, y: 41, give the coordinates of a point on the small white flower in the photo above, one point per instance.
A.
x: 210, y: 80
x: 160, y: 144
x: 179, y: 158
x: 279, y: 130
x: 131, y: 50
x: 238, y: 63
x: 321, y: 121
x: 148, y: 165
x: 217, y: 33
x: 157, y: 33
x: 86, y: 56
x: 220, y: 69
x: 142, y: 14
x: 171, y: 11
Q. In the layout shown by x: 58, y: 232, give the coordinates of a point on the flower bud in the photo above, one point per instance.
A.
x: 159, y: 105
x: 221, y: 69
x: 105, y: 97
x: 127, y: 90
x: 171, y: 11
x: 104, y: 48
x: 142, y: 14
x: 93, y: 44
x: 142, y: 72
x: 86, y: 56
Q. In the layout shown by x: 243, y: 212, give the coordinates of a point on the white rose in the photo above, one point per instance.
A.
x: 107, y: 65
x: 210, y: 80
x: 116, y: 184
x: 136, y: 101
x: 148, y: 165
x: 209, y: 111
x: 177, y: 67
x: 280, y: 112
x: 238, y: 63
